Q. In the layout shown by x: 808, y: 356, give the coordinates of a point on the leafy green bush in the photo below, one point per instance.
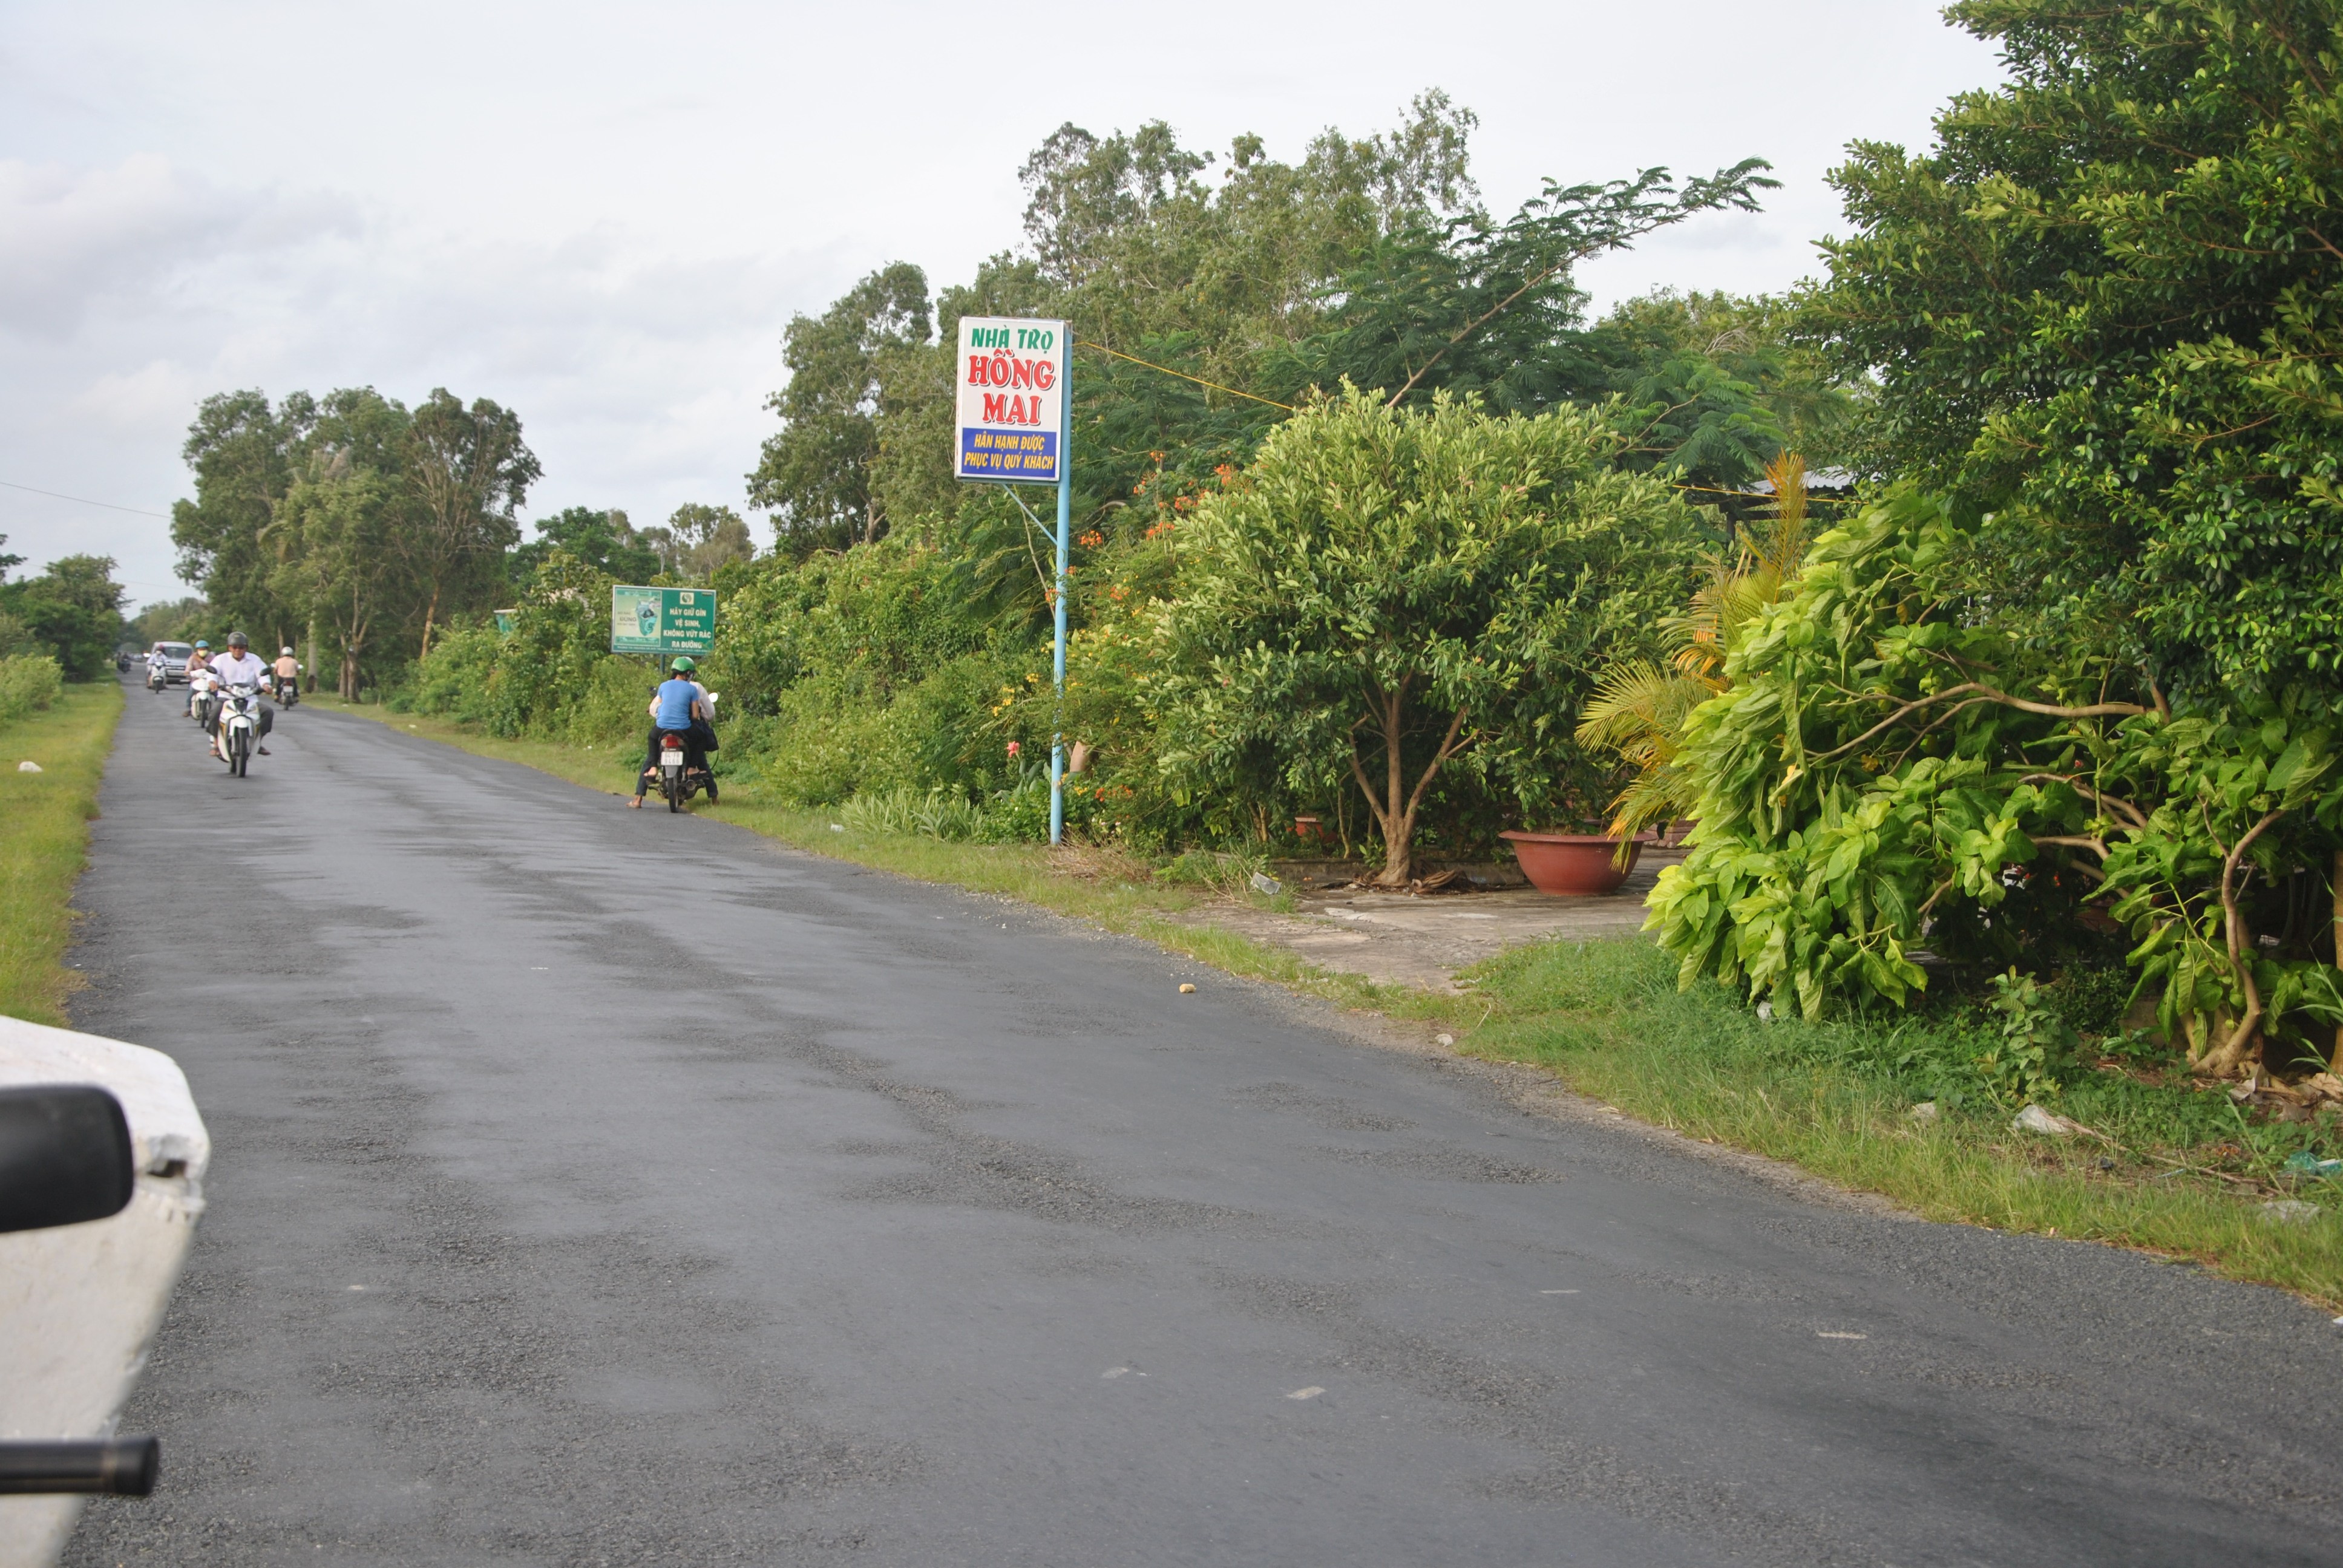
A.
x: 29, y: 682
x: 1019, y: 814
x: 1890, y: 764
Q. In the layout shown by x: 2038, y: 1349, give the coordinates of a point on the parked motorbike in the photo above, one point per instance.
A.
x: 239, y: 726
x: 679, y: 781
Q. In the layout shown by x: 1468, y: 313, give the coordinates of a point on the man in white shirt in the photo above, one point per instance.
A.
x: 239, y: 666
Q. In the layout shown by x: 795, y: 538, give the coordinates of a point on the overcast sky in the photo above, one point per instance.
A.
x: 602, y: 215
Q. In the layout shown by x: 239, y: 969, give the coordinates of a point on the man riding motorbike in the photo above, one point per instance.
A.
x: 239, y: 666
x: 680, y: 707
x: 288, y: 669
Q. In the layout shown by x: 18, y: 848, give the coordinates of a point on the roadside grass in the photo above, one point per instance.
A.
x: 44, y: 841
x: 1835, y: 1099
x: 1605, y: 1017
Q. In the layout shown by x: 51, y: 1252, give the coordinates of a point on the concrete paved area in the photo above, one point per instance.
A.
x: 1395, y: 939
x: 595, y: 1187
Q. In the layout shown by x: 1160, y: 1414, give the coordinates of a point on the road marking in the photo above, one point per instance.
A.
x: 1568, y: 1292
x: 1834, y: 1334
x: 1114, y: 1371
x: 1310, y: 1392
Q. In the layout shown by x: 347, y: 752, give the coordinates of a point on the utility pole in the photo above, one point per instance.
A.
x: 1058, y: 653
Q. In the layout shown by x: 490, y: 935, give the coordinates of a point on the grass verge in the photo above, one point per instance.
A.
x: 1606, y: 1019
x: 1836, y: 1098
x: 45, y: 839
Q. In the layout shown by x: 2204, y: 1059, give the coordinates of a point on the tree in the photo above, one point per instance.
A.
x: 471, y: 471
x: 173, y: 621
x: 336, y: 534
x: 2106, y: 312
x: 815, y: 474
x: 1473, y: 305
x: 244, y: 454
x: 605, y: 541
x: 72, y: 612
x: 705, y: 539
x: 1389, y: 589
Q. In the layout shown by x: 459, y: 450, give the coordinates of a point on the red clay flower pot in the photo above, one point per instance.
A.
x: 1573, y: 865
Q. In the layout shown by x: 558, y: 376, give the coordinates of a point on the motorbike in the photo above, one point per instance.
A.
x: 203, y: 701
x: 678, y: 779
x: 239, y: 727
x: 157, y: 678
x: 286, y: 689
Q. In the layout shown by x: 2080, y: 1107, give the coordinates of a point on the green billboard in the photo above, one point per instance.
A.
x: 663, y: 621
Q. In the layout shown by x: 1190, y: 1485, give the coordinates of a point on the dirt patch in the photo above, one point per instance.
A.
x: 1398, y: 938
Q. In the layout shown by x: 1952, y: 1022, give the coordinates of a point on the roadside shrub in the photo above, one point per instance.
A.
x: 934, y: 815
x: 1021, y: 813
x: 28, y: 683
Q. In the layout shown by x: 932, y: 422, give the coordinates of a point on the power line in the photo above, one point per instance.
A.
x: 1183, y: 376
x: 84, y: 500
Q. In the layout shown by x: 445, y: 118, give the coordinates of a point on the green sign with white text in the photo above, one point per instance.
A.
x: 663, y: 621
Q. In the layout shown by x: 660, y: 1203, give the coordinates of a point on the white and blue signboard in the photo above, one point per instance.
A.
x: 1012, y: 400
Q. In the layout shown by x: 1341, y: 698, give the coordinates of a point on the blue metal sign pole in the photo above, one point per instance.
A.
x: 1058, y: 658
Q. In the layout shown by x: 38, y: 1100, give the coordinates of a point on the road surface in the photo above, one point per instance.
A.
x: 602, y: 1187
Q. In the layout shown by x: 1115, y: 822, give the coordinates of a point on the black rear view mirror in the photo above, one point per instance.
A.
x: 64, y: 1156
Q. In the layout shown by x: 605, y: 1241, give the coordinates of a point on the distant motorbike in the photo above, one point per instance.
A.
x: 239, y: 726
x: 679, y: 781
x: 157, y: 678
x: 286, y: 689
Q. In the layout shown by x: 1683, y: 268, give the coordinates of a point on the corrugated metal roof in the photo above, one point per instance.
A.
x: 1817, y: 479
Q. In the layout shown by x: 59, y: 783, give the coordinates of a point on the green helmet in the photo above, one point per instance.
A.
x: 683, y: 665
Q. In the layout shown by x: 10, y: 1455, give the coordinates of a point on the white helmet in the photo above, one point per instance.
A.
x: 285, y: 651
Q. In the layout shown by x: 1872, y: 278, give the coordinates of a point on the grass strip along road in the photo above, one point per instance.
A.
x: 1607, y: 1020
x: 43, y: 834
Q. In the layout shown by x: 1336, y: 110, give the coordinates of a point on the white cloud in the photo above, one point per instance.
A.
x: 155, y: 396
x: 74, y: 238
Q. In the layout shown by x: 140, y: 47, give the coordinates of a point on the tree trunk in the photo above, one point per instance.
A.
x: 353, y: 642
x: 1395, y: 810
x: 312, y: 654
x: 430, y: 613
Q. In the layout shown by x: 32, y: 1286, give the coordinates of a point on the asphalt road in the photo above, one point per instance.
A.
x: 602, y: 1187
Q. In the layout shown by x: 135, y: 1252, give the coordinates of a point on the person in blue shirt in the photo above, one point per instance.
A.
x: 680, y: 707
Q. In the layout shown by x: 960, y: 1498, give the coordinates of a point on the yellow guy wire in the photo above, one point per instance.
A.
x: 1183, y: 376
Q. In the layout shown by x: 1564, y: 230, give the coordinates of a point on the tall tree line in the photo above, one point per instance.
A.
x: 1370, y: 260
x: 350, y: 523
